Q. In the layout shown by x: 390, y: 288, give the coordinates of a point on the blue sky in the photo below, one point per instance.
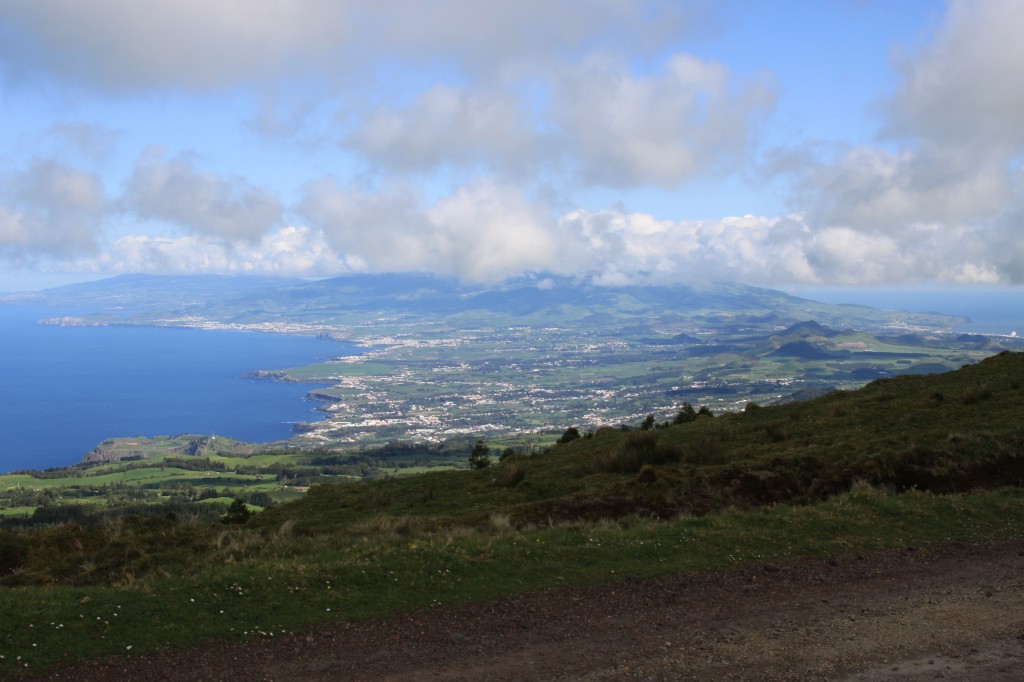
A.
x: 789, y: 144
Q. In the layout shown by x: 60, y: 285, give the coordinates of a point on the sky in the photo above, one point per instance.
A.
x: 783, y: 143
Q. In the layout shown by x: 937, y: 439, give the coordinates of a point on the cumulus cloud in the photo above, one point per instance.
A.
x: 175, y: 192
x: 483, y: 231
x: 625, y: 130
x: 49, y: 210
x: 493, y: 36
x: 121, y: 44
x: 511, y: 103
x: 290, y: 251
x: 872, y: 189
x: 618, y: 248
x: 941, y: 196
x: 635, y: 248
x: 124, y: 44
x: 448, y: 126
x: 962, y: 88
x: 599, y: 122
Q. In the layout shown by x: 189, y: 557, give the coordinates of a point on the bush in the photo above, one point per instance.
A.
x: 571, y: 434
x: 510, y: 473
x: 976, y: 394
x: 237, y: 514
x: 639, y: 449
x: 776, y: 432
x: 686, y: 415
x: 703, y: 450
x: 478, y: 458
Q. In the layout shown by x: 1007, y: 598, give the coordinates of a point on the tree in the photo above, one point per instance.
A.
x: 686, y: 415
x: 478, y: 458
x: 238, y: 513
x: 571, y: 434
x: 648, y: 423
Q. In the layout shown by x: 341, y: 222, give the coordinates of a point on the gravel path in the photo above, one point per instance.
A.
x: 955, y: 613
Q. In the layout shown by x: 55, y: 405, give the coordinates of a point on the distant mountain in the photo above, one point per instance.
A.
x: 444, y: 358
x: 144, y: 292
x: 351, y: 299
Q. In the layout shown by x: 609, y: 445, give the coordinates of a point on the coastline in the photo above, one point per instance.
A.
x: 82, y: 386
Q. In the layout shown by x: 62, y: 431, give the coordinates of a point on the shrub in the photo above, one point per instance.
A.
x: 976, y: 394
x: 510, y: 473
x: 570, y: 434
x: 638, y: 449
x: 703, y: 450
x: 686, y: 415
x: 237, y: 514
x: 478, y: 458
x: 501, y: 523
x: 776, y: 432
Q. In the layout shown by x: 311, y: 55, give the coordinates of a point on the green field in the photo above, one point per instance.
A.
x: 910, y: 461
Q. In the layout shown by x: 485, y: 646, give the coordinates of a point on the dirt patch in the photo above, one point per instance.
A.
x: 955, y: 613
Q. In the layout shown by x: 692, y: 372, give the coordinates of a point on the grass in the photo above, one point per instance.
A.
x: 161, y: 478
x: 886, y: 466
x: 252, y: 587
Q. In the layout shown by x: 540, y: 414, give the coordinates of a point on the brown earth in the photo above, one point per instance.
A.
x: 955, y: 613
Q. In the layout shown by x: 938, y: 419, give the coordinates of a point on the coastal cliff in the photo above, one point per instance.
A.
x: 193, y: 445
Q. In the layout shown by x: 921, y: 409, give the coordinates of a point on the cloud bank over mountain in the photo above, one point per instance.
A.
x: 615, y: 141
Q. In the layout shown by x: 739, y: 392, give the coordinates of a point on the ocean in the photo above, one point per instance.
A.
x: 992, y: 311
x: 63, y: 390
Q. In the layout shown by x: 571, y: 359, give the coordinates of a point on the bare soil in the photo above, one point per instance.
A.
x: 955, y: 613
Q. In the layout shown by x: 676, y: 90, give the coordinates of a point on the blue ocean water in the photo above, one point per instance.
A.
x: 65, y: 389
x: 991, y: 310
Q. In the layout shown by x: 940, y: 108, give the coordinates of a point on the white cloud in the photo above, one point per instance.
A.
x: 125, y: 44
x: 291, y: 251
x: 448, y: 126
x: 486, y: 232
x: 49, y: 210
x: 624, y: 130
x: 173, y: 191
x: 872, y: 189
x: 496, y: 35
x: 483, y: 231
x: 592, y: 122
x: 509, y: 104
x: 962, y: 89
x: 943, y: 198
x: 618, y: 248
x: 615, y: 247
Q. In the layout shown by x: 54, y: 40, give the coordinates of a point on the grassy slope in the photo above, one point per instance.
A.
x: 858, y: 471
x: 944, y: 433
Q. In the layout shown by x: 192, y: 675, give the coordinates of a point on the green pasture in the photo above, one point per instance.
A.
x: 252, y: 585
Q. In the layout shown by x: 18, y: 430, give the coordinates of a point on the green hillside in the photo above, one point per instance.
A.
x: 940, y: 433
x: 916, y: 460
x: 439, y: 360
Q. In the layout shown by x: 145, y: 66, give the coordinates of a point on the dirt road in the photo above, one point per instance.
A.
x: 955, y: 613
